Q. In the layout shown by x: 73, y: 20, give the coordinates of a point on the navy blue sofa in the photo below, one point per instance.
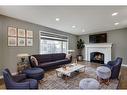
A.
x: 18, y: 81
x: 46, y: 61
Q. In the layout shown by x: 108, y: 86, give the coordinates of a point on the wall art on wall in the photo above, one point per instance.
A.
x: 29, y: 42
x: 21, y: 33
x: 12, y: 31
x: 29, y: 34
x: 21, y: 41
x: 19, y: 37
x: 12, y: 41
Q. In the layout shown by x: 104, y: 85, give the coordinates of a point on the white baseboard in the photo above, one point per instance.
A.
x: 1, y: 77
x: 124, y: 65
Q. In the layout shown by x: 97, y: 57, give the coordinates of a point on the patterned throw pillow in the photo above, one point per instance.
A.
x: 34, y: 61
x: 68, y: 56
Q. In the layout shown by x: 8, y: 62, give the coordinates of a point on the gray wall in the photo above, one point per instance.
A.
x: 8, y: 54
x: 118, y: 38
x: 1, y: 46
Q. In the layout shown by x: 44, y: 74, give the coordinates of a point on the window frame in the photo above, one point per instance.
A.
x: 54, y: 34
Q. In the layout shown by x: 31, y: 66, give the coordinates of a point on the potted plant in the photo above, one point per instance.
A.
x: 80, y: 46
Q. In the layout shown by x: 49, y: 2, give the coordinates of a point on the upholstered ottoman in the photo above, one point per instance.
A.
x: 89, y: 83
x: 35, y: 73
x: 103, y: 74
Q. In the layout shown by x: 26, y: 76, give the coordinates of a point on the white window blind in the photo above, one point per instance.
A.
x: 53, y: 43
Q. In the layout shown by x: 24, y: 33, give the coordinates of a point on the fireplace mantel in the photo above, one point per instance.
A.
x: 104, y: 48
x: 99, y: 45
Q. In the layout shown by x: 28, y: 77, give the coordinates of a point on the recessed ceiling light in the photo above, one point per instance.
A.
x: 116, y: 23
x: 57, y: 19
x: 114, y: 14
x: 83, y: 30
x: 73, y: 26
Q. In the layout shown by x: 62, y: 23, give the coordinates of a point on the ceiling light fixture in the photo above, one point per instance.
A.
x: 57, y: 19
x: 116, y: 23
x: 83, y: 30
x: 73, y: 26
x: 114, y: 14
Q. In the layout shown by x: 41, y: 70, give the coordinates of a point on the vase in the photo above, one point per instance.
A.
x: 80, y: 58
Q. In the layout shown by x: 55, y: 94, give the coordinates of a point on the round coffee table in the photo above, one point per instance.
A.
x: 89, y: 83
x: 103, y: 74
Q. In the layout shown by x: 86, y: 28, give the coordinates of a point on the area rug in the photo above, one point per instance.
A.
x: 52, y: 82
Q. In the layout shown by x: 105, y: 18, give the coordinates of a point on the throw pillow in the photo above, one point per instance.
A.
x: 68, y: 56
x: 34, y: 61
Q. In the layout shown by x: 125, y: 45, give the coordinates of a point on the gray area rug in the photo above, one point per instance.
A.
x: 52, y: 82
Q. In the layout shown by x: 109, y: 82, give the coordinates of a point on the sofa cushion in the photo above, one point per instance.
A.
x: 68, y: 56
x: 34, y: 61
x: 58, y: 56
x: 43, y: 58
x: 59, y: 62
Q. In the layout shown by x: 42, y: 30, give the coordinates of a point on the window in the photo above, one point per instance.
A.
x: 53, y: 43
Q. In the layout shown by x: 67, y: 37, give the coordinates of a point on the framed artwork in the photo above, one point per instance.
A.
x: 29, y: 42
x: 12, y: 41
x: 21, y: 33
x: 21, y: 41
x: 29, y: 34
x: 12, y: 31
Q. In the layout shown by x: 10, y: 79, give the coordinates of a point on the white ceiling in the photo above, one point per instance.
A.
x: 90, y: 18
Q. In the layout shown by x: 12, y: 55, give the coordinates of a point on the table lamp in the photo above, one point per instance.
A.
x: 22, y: 56
x: 72, y: 53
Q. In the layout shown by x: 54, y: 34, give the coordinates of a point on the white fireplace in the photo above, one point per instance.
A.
x: 104, y: 48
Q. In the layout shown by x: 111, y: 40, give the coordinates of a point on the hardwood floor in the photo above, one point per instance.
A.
x: 123, y: 74
x: 123, y: 79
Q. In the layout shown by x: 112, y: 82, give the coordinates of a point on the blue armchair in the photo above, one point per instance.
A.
x: 115, y: 67
x: 18, y: 81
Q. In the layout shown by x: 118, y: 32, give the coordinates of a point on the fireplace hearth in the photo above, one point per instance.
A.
x: 97, y: 57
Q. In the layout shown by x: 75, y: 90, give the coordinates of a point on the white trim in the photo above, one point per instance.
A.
x: 99, y: 45
x: 1, y: 77
x: 54, y: 38
x: 54, y: 33
x: 124, y: 65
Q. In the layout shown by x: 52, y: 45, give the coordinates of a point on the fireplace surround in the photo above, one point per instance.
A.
x: 104, y: 48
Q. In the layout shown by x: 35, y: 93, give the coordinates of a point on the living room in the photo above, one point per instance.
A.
x: 56, y: 29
